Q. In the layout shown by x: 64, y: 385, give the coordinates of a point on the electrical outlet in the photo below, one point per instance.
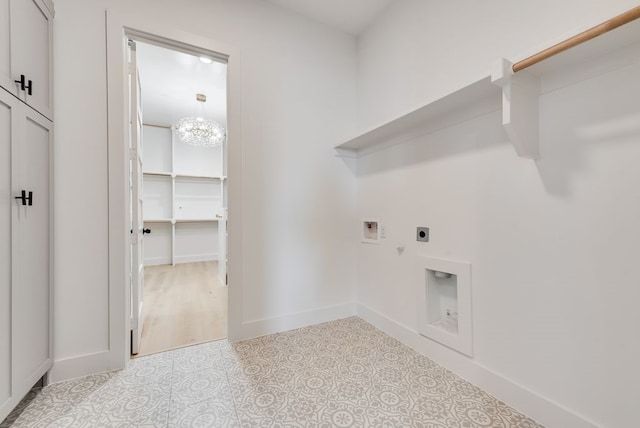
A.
x: 422, y: 234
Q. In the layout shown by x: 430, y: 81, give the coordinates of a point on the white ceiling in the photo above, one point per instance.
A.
x: 170, y: 81
x: 351, y: 16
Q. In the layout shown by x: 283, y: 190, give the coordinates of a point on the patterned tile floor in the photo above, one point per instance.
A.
x: 339, y: 374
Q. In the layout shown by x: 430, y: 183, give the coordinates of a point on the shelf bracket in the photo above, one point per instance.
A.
x: 520, y: 117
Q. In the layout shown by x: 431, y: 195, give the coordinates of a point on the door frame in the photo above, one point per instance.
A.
x: 135, y: 198
x: 119, y: 30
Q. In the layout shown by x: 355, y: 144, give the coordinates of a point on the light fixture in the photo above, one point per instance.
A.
x: 199, y: 131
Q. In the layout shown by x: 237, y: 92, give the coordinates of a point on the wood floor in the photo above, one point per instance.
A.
x: 184, y: 304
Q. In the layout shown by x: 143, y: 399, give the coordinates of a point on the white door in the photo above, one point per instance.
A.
x: 30, y: 52
x: 25, y: 291
x: 136, y: 194
x: 222, y: 247
x: 31, y: 268
x: 6, y: 207
x: 222, y: 221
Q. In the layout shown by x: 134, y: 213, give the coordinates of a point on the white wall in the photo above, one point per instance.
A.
x: 552, y: 243
x: 298, y: 96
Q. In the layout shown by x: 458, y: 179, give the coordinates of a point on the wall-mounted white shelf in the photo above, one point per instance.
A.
x: 477, y: 98
x: 516, y: 94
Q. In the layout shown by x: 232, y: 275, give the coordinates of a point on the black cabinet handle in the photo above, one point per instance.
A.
x: 25, y: 86
x: 26, y: 200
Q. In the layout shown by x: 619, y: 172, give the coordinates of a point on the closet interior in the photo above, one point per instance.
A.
x: 183, y: 148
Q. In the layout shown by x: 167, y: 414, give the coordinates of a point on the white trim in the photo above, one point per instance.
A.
x: 528, y: 402
x: 191, y: 258
x: 156, y: 261
x: 205, y: 257
x: 117, y: 28
x: 262, y: 327
x: 83, y: 365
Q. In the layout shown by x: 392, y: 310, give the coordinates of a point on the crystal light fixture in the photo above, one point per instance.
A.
x: 199, y: 131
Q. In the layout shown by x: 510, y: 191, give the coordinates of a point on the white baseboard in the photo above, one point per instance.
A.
x: 155, y: 261
x: 262, y: 327
x: 197, y: 258
x: 540, y: 409
x: 83, y: 365
x: 531, y: 404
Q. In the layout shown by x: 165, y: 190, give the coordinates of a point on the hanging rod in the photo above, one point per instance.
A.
x: 156, y: 126
x: 589, y: 34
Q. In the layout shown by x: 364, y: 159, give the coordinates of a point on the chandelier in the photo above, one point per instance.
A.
x: 199, y: 131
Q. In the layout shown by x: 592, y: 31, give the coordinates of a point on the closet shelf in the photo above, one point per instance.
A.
x: 516, y: 95
x: 209, y: 177
x: 181, y: 220
x: 163, y: 174
x: 169, y: 174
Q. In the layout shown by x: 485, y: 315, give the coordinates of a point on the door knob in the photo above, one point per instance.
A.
x: 146, y: 231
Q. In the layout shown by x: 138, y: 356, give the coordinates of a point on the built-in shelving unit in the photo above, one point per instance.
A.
x: 184, y: 192
x: 516, y: 94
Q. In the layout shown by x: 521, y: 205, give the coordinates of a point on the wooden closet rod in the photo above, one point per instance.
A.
x: 589, y: 34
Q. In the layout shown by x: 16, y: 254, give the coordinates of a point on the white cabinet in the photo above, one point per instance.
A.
x: 26, y: 30
x: 184, y: 200
x: 26, y: 142
x: 25, y: 266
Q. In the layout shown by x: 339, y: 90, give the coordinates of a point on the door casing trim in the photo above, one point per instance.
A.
x: 118, y: 30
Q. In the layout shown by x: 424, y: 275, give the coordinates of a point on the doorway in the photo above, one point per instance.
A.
x: 177, y: 197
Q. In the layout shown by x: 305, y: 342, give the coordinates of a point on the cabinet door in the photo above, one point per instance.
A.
x: 5, y: 47
x: 31, y: 299
x: 6, y: 203
x: 31, y: 36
